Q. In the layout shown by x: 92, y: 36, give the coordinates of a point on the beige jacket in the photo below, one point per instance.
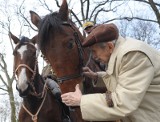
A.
x: 133, y: 77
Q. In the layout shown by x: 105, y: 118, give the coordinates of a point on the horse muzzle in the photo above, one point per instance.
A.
x: 23, y: 93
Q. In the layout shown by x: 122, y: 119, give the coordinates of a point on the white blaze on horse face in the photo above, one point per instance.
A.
x: 37, y: 51
x: 22, y: 79
x: 22, y: 50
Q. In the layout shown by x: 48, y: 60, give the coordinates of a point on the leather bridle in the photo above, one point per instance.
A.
x: 80, y: 53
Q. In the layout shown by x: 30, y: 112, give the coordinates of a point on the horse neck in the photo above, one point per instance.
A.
x: 32, y: 102
x: 69, y: 85
x: 38, y: 83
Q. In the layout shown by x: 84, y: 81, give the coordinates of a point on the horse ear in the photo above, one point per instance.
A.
x: 35, y: 18
x: 13, y: 37
x: 63, y: 11
x: 34, y: 39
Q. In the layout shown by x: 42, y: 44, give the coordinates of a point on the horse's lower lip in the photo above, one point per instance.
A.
x: 23, y: 96
x: 24, y: 93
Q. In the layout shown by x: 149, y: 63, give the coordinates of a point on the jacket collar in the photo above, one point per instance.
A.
x: 114, y: 54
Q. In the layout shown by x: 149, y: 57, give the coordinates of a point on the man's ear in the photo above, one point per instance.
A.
x: 110, y: 46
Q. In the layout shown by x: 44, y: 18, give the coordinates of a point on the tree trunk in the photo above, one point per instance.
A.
x: 12, y: 104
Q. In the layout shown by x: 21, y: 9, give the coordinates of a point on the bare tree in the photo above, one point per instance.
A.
x: 155, y: 7
x: 141, y: 30
x: 10, y: 21
x: 7, y: 86
x: 152, y: 7
x: 5, y: 78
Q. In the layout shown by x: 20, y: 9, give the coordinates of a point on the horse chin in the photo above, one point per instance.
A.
x: 25, y: 93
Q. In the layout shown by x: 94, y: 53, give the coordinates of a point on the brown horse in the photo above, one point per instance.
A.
x: 39, y: 104
x: 60, y: 42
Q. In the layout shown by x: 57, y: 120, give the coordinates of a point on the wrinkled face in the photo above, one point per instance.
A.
x: 102, y: 52
x: 24, y: 54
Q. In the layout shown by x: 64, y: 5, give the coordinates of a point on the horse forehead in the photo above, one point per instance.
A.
x: 21, y: 50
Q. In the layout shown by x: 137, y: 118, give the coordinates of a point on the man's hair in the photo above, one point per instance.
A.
x: 103, y: 44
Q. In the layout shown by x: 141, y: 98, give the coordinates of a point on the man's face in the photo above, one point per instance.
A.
x: 102, y: 53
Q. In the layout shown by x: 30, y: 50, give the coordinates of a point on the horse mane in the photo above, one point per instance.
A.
x: 50, y: 23
x: 23, y: 40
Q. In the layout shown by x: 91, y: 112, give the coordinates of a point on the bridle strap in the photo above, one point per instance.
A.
x: 80, y: 53
x: 68, y: 77
x: 33, y: 71
x: 34, y: 117
x: 24, y: 65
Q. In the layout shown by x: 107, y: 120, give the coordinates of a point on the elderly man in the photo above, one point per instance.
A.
x: 132, y: 78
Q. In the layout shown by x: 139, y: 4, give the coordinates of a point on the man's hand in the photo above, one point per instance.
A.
x: 72, y: 98
x: 89, y: 73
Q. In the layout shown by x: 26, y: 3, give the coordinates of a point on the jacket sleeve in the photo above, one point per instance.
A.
x: 99, y: 81
x: 135, y: 74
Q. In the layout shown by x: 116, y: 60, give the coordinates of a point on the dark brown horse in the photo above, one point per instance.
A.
x: 60, y: 42
x: 39, y: 104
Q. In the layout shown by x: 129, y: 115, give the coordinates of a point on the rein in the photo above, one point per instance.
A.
x: 34, y: 117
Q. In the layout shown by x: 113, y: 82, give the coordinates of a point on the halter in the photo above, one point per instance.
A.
x: 80, y: 53
x: 26, y: 66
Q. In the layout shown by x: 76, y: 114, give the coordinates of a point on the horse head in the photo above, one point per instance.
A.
x: 60, y: 42
x: 25, y: 63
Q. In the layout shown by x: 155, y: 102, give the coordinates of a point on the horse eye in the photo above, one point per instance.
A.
x: 70, y: 44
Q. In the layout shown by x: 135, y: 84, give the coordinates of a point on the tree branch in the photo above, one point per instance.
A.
x: 43, y: 3
x: 3, y: 89
x: 155, y: 9
x: 95, y: 8
x: 129, y: 19
x: 3, y: 81
x: 22, y: 15
x: 82, y: 10
x: 87, y: 9
x: 79, y: 22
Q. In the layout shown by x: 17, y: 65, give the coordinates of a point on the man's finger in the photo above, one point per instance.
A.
x: 85, y: 69
x: 77, y: 86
